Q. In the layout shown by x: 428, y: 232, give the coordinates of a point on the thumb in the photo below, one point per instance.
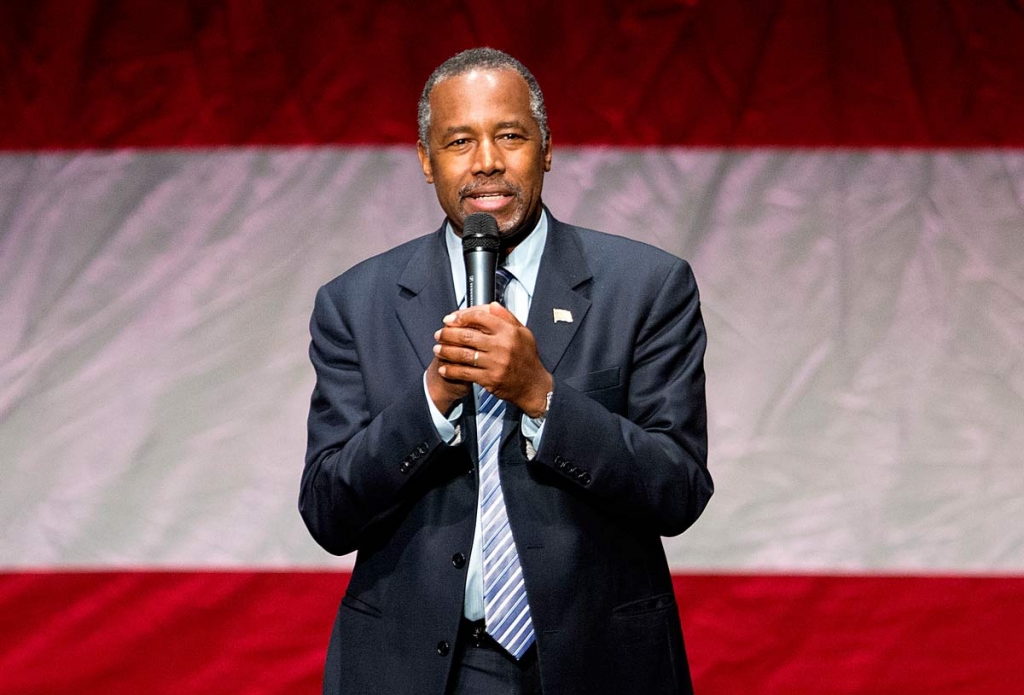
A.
x: 503, y: 313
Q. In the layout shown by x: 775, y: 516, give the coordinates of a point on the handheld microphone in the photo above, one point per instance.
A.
x: 480, y: 248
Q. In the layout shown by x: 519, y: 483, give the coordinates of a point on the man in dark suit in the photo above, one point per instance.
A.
x: 600, y: 446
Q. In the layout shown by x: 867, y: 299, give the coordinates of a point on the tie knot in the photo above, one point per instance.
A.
x: 501, y: 279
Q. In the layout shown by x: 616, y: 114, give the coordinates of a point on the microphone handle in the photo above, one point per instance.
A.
x: 481, y: 265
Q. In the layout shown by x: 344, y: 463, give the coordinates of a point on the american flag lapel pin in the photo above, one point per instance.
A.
x: 563, y: 315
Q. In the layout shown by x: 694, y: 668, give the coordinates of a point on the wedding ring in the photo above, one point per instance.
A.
x: 476, y: 357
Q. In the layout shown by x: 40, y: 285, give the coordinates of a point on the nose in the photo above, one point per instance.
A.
x: 488, y: 159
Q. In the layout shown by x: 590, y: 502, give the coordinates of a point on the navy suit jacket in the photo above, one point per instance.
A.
x: 623, y: 461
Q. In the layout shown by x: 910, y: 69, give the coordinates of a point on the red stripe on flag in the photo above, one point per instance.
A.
x: 96, y: 633
x: 106, y: 633
x: 845, y: 635
x: 727, y: 73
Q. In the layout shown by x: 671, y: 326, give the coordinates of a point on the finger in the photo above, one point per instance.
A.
x: 460, y: 372
x: 464, y: 317
x: 462, y: 336
x: 486, y: 319
x: 452, y: 354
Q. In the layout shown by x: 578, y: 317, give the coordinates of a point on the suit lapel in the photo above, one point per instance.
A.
x: 426, y: 295
x: 563, y: 270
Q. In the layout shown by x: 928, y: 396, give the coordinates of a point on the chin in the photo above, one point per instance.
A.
x: 512, y: 222
x: 510, y: 225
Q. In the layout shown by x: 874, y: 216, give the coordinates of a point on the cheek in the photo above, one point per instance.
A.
x: 531, y: 173
x: 444, y: 186
x: 447, y: 179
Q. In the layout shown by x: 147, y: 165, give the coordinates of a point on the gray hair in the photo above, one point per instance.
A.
x: 481, y: 59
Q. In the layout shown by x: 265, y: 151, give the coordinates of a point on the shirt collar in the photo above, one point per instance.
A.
x: 523, y: 262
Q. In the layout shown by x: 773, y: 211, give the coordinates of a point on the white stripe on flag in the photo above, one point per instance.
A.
x: 865, y: 313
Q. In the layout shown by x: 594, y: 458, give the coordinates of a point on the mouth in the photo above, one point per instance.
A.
x: 488, y: 203
x: 488, y: 198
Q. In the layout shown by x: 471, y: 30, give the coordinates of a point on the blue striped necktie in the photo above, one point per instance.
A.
x: 506, y: 611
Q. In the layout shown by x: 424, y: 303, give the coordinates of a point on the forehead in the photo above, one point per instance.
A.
x: 480, y: 97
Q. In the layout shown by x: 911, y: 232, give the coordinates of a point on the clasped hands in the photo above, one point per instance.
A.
x: 487, y: 345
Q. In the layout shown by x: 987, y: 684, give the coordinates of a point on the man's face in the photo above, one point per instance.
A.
x: 486, y: 151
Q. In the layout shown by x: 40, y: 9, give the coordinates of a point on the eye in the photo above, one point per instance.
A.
x: 458, y: 142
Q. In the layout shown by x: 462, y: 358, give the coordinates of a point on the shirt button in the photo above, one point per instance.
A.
x: 459, y: 560
x: 443, y: 648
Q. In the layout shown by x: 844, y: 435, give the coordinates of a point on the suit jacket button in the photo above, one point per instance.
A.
x: 404, y: 467
x: 443, y: 648
x: 585, y: 478
x: 459, y: 560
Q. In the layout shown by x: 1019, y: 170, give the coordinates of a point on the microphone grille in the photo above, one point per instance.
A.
x: 480, y: 231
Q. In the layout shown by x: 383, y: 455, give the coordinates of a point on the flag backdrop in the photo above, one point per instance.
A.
x: 847, y: 180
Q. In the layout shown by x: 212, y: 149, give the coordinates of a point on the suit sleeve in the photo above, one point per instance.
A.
x: 650, y: 466
x: 359, y: 468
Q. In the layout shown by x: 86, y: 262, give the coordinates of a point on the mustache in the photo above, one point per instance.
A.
x: 505, y: 187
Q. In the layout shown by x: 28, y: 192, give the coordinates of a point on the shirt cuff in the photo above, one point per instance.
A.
x: 532, y: 429
x: 447, y: 427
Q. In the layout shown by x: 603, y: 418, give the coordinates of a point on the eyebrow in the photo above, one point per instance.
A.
x: 512, y: 124
x: 455, y: 130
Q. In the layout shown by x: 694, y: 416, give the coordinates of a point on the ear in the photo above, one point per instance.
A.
x: 421, y: 152
x: 547, y: 154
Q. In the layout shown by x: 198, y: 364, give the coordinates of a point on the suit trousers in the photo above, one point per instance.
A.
x: 482, y: 667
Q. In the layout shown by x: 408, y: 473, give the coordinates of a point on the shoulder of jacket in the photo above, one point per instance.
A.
x: 389, y: 263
